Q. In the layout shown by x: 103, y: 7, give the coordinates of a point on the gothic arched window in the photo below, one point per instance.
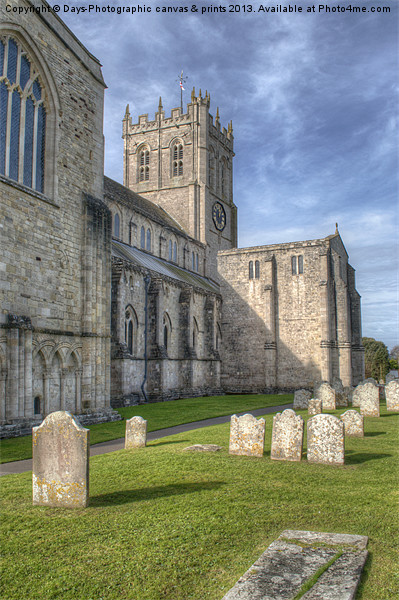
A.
x: 170, y: 249
x: 175, y: 252
x: 177, y: 164
x: 257, y: 269
x: 116, y: 225
x: 251, y: 270
x: 149, y: 240
x: 142, y: 237
x: 144, y: 162
x: 130, y: 329
x: 22, y: 117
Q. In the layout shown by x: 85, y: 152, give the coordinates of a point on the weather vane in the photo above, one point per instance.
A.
x: 181, y: 81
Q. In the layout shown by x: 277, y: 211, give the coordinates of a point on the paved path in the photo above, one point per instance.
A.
x: 20, y: 466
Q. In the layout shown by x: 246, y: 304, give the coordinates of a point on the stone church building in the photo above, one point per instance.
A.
x: 113, y: 294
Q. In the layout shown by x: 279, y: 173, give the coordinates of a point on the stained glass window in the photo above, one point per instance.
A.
x: 22, y: 117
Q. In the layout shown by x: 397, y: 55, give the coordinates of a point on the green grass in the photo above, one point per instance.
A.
x: 164, y: 524
x: 159, y: 416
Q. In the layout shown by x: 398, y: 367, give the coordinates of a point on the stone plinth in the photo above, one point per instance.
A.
x: 326, y: 440
x: 392, y: 395
x: 301, y: 399
x: 326, y: 394
x: 353, y: 423
x: 135, y: 433
x: 314, y: 406
x: 287, y: 436
x: 60, y: 473
x: 369, y: 400
x: 247, y: 436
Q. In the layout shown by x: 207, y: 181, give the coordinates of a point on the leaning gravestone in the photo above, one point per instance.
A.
x: 326, y: 440
x: 301, y: 399
x: 353, y: 423
x: 326, y: 394
x: 392, y: 395
x: 314, y: 406
x: 135, y: 433
x: 369, y: 400
x: 247, y: 435
x: 287, y: 436
x: 60, y: 473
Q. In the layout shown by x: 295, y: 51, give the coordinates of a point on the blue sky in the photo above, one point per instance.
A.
x: 314, y: 102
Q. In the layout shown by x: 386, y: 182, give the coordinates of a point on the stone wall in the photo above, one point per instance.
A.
x: 53, y: 355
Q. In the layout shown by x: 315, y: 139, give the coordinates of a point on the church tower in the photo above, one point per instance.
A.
x: 184, y: 164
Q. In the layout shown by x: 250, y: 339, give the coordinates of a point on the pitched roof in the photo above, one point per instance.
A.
x: 163, y: 267
x: 120, y: 194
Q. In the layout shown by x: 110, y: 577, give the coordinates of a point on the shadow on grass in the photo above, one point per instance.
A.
x: 353, y: 458
x: 374, y: 433
x: 391, y: 414
x: 156, y: 443
x: 152, y: 493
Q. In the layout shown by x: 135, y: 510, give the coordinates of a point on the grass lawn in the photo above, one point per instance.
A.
x: 164, y: 524
x: 159, y: 416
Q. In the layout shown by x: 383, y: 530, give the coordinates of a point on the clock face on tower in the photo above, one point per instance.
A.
x: 219, y: 216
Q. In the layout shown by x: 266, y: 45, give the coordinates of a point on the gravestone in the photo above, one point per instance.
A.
x: 326, y: 440
x: 60, y: 472
x: 353, y: 423
x: 326, y: 394
x: 392, y: 395
x: 314, y: 406
x: 287, y: 436
x: 348, y: 391
x: 341, y: 399
x: 301, y: 399
x: 135, y: 433
x: 391, y: 376
x: 247, y: 435
x: 369, y: 400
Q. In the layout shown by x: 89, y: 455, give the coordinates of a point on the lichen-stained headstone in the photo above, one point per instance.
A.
x: 326, y: 440
x: 370, y: 400
x: 353, y: 423
x: 314, y: 406
x: 287, y: 436
x: 135, y: 433
x: 348, y: 392
x: 392, y: 395
x: 326, y: 394
x: 60, y: 475
x: 247, y: 435
x: 341, y: 399
x: 301, y: 399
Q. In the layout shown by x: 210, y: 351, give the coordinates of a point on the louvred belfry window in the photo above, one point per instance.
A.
x: 177, y: 160
x: 144, y: 169
x: 22, y: 117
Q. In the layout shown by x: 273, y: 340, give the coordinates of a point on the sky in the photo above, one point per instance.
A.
x: 313, y: 97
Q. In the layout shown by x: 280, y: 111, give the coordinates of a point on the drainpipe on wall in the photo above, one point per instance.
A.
x: 147, y: 281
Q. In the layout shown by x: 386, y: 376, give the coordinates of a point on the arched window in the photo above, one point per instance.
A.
x: 175, y: 252
x: 130, y: 329
x: 142, y: 237
x: 251, y: 269
x: 170, y: 250
x: 167, y: 330
x: 257, y: 269
x: 116, y: 225
x: 196, y: 262
x: 22, y: 117
x: 293, y: 265
x: 193, y: 260
x: 144, y: 162
x: 149, y: 239
x: 36, y: 405
x: 177, y: 163
x: 195, y: 334
x: 165, y: 337
x: 297, y: 264
x: 300, y: 264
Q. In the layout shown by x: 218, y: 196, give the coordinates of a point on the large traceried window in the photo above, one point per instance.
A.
x: 22, y: 117
x: 177, y: 164
x: 131, y: 330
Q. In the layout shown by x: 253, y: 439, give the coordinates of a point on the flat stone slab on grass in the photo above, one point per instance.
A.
x: 203, y: 448
x: 294, y: 558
